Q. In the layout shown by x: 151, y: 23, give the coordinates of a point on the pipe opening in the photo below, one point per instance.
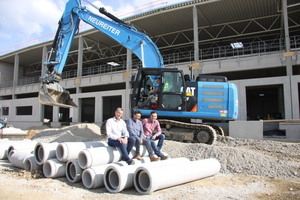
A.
x: 47, y: 169
x: 144, y: 181
x: 39, y: 153
x: 87, y: 179
x: 82, y: 160
x: 140, y: 184
x: 73, y: 171
x: 10, y: 154
x: 10, y: 149
x: 27, y: 165
x: 59, y: 152
x: 70, y: 172
x: 112, y: 179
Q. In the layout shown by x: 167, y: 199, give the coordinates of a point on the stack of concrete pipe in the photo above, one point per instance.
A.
x: 117, y: 178
x: 14, y: 145
x: 96, y: 164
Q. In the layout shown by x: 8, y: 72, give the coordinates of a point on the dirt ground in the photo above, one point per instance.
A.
x: 250, y: 169
x: 16, y: 184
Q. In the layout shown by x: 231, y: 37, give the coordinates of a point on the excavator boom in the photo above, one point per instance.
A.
x: 51, y: 93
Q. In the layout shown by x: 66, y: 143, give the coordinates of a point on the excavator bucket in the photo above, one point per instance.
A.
x: 53, y: 94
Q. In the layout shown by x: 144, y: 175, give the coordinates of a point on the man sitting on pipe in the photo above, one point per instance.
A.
x: 152, y: 132
x: 118, y: 135
x: 135, y: 129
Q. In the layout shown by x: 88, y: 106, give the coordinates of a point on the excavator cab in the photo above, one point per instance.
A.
x: 159, y: 89
x: 53, y: 94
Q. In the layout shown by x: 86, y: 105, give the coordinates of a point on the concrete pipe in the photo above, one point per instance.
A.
x: 31, y: 165
x: 69, y: 150
x: 44, y: 151
x: 73, y: 171
x: 53, y: 168
x: 25, y: 147
x: 93, y: 177
x: 17, y: 158
x: 118, y: 178
x: 6, y: 143
x: 98, y: 156
x: 148, y: 179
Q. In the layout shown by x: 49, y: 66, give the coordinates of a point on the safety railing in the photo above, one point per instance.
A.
x: 257, y: 47
x: 29, y: 80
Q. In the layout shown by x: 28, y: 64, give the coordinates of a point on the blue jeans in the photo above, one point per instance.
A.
x: 147, y: 144
x: 158, y: 147
x: 124, y: 150
x: 160, y: 138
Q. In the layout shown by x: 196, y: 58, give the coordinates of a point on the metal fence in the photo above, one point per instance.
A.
x: 257, y: 47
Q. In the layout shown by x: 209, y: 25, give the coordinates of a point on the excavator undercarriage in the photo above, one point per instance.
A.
x: 190, y: 132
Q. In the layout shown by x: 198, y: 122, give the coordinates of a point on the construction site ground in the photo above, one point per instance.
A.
x: 250, y: 169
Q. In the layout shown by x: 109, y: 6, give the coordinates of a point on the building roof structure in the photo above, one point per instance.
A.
x: 220, y: 22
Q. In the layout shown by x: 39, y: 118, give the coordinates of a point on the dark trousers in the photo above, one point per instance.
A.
x: 147, y: 144
x: 125, y: 149
x: 158, y: 147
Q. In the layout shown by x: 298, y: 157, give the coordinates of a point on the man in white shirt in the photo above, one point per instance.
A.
x: 118, y: 135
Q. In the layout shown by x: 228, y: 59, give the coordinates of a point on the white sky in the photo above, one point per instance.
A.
x: 28, y: 22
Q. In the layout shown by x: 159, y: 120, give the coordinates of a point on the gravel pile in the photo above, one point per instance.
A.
x: 75, y: 133
x: 265, y: 158
x: 239, y: 160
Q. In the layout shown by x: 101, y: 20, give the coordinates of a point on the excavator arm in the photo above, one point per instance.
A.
x: 51, y: 93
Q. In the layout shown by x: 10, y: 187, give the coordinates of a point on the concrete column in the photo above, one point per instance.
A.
x: 196, y: 42
x: 16, y: 74
x: 77, y: 111
x: 55, y: 114
x: 287, y: 95
x: 99, y: 108
x: 295, y: 97
x: 44, y: 59
x: 79, y: 64
x: 80, y: 56
x: 289, y: 67
x: 127, y: 76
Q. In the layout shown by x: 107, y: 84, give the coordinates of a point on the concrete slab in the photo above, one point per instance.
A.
x: 292, y: 129
x: 246, y: 129
x: 13, y: 133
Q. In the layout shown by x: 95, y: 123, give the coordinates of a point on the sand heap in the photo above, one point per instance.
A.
x: 75, y: 133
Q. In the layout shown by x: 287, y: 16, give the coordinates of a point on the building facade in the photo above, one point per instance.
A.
x: 266, y: 69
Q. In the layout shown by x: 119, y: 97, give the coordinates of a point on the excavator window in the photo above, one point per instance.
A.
x: 160, y: 90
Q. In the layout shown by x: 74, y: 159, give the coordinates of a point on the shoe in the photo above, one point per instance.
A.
x: 138, y: 156
x: 153, y: 158
x: 164, y: 157
x: 131, y: 162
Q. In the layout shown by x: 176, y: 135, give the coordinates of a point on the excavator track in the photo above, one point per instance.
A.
x: 189, y: 132
x: 218, y: 129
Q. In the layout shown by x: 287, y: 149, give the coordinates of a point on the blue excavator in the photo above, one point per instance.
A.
x: 177, y: 98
